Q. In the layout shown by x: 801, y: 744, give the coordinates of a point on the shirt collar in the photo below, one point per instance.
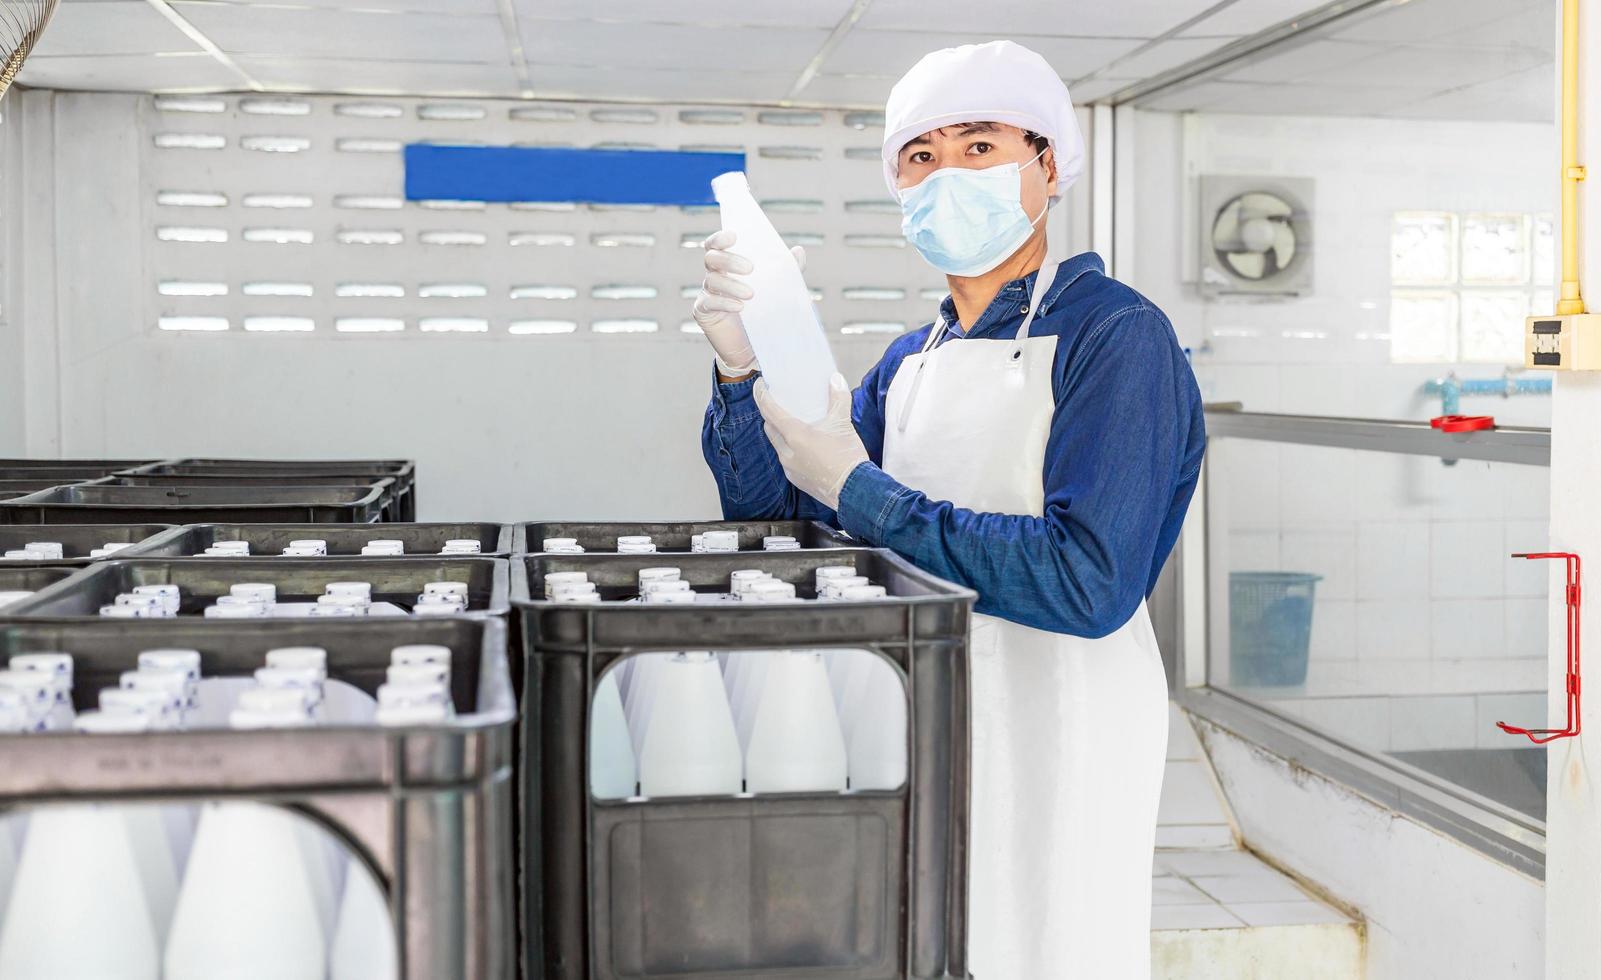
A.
x: 1009, y: 302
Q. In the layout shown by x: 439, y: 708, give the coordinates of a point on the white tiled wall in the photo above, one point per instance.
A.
x: 1421, y: 618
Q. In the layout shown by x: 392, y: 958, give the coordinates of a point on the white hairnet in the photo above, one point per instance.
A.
x: 1000, y: 81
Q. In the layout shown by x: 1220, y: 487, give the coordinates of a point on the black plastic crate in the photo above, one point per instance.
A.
x: 428, y: 808
x: 11, y: 469
x: 202, y: 580
x: 76, y: 540
x: 344, y: 540
x: 391, y: 491
x: 855, y: 886
x: 403, y: 471
x: 89, y: 504
x: 674, y: 537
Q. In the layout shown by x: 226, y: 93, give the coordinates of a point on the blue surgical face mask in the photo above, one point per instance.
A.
x: 966, y: 222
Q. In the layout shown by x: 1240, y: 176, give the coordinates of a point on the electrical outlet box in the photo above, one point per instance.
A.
x: 1563, y: 343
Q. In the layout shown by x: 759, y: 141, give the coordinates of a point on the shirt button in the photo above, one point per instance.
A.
x: 1024, y: 309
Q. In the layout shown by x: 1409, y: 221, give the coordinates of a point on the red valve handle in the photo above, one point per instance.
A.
x: 1462, y: 423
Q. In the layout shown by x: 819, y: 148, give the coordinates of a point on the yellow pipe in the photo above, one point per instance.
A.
x: 1570, y: 301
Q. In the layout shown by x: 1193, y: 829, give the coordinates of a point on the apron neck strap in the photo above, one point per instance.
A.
x: 1042, y: 282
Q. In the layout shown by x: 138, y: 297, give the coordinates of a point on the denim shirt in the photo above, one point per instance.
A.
x: 1121, y: 462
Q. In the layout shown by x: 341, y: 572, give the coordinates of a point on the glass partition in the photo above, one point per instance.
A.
x: 1370, y: 593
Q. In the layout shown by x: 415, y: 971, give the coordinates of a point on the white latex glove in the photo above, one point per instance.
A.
x: 816, y: 456
x: 722, y: 295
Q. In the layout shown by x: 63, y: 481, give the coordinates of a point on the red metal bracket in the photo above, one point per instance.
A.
x: 1571, y: 599
x: 1462, y: 423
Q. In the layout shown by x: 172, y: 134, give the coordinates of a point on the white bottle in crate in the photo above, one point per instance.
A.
x: 642, y: 692
x: 872, y: 714
x: 745, y: 677
x: 257, y: 899
x: 79, y: 909
x: 364, y: 937
x: 58, y: 667
x: 690, y: 748
x: 795, y: 740
x: 780, y: 318
x: 612, y: 772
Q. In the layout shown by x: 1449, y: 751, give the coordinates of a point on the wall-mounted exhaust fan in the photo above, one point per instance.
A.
x: 1256, y: 236
x: 21, y: 23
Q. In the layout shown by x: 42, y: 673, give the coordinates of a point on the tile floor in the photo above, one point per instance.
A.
x: 1201, y: 880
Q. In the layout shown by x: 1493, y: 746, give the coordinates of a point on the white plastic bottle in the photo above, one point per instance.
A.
x: 872, y: 714
x: 642, y: 693
x: 612, y: 771
x: 364, y: 938
x: 795, y: 740
x: 690, y: 748
x: 779, y: 319
x: 256, y: 900
x: 79, y: 909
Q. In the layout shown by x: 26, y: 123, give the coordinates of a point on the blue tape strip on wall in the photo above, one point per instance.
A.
x: 436, y: 172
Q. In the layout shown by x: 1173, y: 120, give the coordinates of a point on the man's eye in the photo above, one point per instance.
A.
x: 980, y: 148
x: 922, y: 156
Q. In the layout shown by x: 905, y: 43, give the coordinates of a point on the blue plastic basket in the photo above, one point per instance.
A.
x: 1270, y: 627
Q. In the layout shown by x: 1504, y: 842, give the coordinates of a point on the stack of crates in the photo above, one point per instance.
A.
x: 495, y: 857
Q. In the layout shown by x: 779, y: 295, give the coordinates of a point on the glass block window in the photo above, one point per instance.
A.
x: 1461, y: 284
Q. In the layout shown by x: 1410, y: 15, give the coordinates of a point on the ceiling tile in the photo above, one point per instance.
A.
x: 747, y: 13
x: 1432, y: 68
x: 358, y: 76
x: 695, y: 85
x: 1423, y: 20
x: 1198, y: 97
x: 1315, y: 100
x: 488, y: 7
x: 1097, y: 88
x: 130, y: 73
x: 1165, y: 55
x: 121, y: 27
x: 670, y: 47
x: 1251, y: 16
x: 1125, y: 18
x: 325, y: 33
x: 856, y: 91
x: 1528, y: 96
x: 1291, y: 63
x: 893, y: 52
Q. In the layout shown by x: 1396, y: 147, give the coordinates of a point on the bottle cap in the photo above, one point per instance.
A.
x: 307, y: 656
x: 667, y: 585
x: 239, y: 600
x: 172, y: 681
x: 464, y: 544
x: 770, y: 592
x: 50, y: 549
x: 633, y: 540
x: 172, y: 658
x: 658, y: 597
x: 251, y: 610
x: 346, y: 609
x: 113, y: 546
x: 34, y: 687
x: 859, y: 593
x: 258, y: 591
x: 780, y: 542
x: 697, y: 543
x: 140, y: 599
x: 571, y: 588
x: 438, y: 609
x: 445, y: 588
x: 361, y: 589
x: 718, y: 541
x: 831, y: 588
x: 111, y: 722
x: 578, y: 597
x: 132, y: 612
x: 307, y: 679
x: 423, y: 673
x: 741, y: 579
x: 387, y: 543
x: 395, y: 695
x: 318, y: 543
x: 828, y: 572
x: 23, y: 554
x: 300, y: 552
x: 659, y: 573
x: 421, y: 653
x: 49, y: 662
x: 231, y: 547
x: 161, y: 707
x: 553, y: 579
x: 568, y: 546
x: 14, y: 717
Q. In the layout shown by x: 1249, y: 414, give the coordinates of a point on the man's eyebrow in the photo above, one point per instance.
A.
x: 967, y: 129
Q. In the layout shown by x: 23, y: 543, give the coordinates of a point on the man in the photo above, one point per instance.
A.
x: 1039, y: 443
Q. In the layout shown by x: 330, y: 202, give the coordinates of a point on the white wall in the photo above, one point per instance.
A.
x: 504, y: 427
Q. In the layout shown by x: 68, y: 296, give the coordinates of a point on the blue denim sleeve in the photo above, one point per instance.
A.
x: 1121, y: 461
x: 750, y: 482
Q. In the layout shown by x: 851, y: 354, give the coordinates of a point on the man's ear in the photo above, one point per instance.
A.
x: 1048, y: 161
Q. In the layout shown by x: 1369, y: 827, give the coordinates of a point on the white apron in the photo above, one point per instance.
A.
x: 1069, y: 734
